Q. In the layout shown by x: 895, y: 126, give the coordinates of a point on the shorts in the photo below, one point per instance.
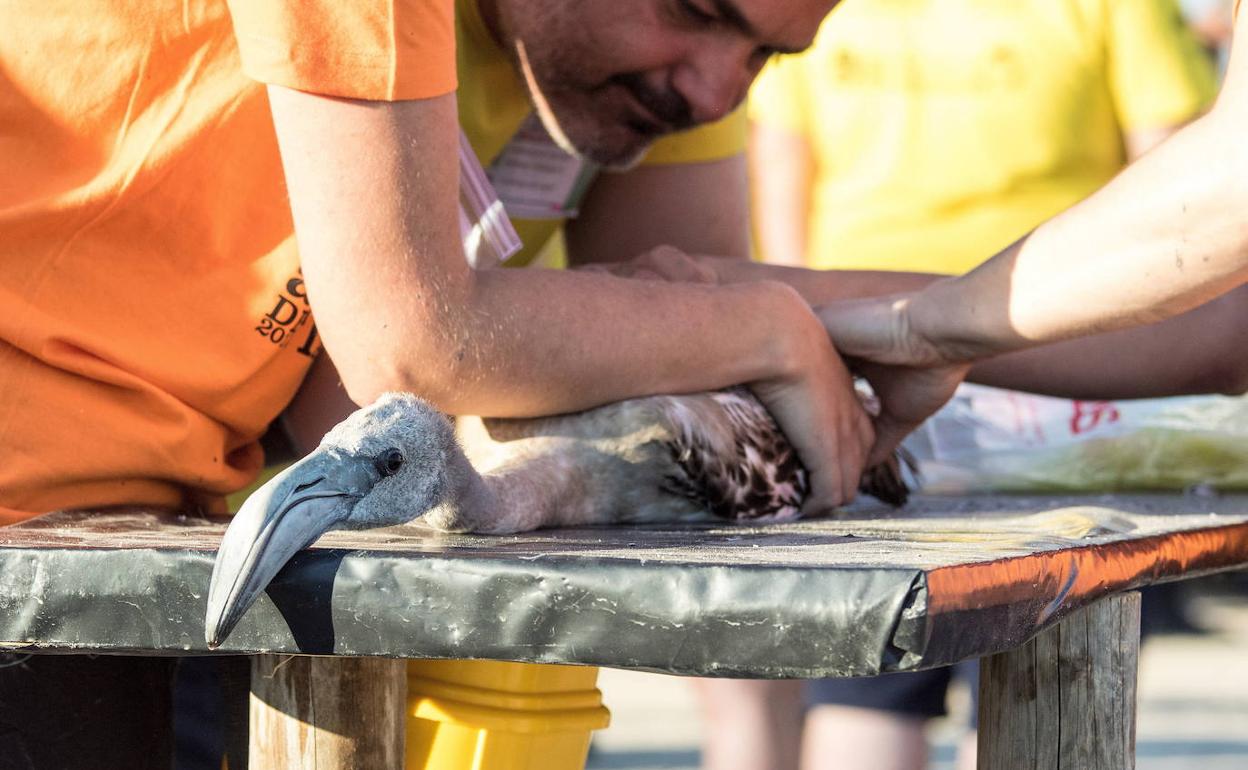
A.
x: 913, y: 693
x: 922, y: 693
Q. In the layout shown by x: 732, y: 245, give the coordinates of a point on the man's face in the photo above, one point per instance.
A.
x: 611, y: 76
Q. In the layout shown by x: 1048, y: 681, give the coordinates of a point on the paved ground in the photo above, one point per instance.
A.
x: 1193, y: 710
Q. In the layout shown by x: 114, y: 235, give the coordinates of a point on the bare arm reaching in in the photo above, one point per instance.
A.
x: 1166, y: 235
x: 1200, y: 351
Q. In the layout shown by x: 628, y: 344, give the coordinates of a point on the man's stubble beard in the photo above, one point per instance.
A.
x: 544, y: 15
x: 562, y: 131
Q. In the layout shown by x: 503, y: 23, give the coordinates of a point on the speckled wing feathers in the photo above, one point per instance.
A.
x: 730, y: 458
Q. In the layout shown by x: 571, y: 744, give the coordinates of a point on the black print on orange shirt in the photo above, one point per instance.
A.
x: 290, y: 318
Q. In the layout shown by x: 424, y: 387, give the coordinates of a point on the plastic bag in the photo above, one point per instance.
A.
x: 992, y: 440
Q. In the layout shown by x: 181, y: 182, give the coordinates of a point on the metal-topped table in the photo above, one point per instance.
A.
x: 872, y: 591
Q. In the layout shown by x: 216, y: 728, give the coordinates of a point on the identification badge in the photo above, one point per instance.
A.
x: 487, y: 233
x: 536, y: 179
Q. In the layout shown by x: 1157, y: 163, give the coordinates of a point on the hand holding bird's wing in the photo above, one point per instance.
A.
x: 910, y: 376
x: 814, y: 404
x: 823, y: 417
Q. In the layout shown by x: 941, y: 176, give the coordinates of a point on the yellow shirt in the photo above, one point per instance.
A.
x: 493, y: 102
x: 943, y: 130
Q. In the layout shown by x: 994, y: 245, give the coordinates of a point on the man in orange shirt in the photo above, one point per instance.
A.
x: 156, y: 315
x: 155, y: 308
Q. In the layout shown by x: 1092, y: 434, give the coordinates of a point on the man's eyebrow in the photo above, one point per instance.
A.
x: 733, y: 17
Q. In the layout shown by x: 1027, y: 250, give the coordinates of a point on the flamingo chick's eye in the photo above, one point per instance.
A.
x: 388, y: 462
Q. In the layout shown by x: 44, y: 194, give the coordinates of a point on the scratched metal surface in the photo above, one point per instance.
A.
x: 871, y: 591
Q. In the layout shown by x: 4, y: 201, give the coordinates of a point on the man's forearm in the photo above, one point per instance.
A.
x: 616, y: 358
x: 532, y: 342
x: 819, y: 287
x: 1201, y: 351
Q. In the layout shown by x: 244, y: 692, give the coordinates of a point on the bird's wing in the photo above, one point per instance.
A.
x: 734, y: 458
x: 662, y: 458
x: 731, y: 457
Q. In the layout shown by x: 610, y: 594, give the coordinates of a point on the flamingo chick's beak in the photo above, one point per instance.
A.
x: 279, y: 519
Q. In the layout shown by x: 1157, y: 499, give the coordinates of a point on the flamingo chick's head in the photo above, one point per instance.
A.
x: 384, y: 465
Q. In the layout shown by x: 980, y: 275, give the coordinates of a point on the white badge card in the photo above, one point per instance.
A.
x: 536, y: 179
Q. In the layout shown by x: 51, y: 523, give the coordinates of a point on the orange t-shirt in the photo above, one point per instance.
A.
x: 152, y: 316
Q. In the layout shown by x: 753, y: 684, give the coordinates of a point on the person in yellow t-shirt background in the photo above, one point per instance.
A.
x: 924, y: 136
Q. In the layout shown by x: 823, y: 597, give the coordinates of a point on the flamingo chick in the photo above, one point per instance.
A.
x: 699, y: 457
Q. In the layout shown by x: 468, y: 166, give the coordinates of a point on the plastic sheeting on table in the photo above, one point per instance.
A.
x: 869, y: 592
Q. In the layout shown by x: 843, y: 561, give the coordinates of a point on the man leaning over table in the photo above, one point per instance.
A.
x: 157, y: 315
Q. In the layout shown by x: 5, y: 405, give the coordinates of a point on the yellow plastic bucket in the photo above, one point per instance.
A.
x: 491, y: 715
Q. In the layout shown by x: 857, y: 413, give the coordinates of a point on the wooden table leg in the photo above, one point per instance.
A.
x: 327, y: 713
x: 1066, y: 699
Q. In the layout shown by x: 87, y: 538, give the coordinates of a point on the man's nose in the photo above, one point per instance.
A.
x: 714, y: 80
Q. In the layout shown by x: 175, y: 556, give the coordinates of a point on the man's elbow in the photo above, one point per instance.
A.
x: 364, y: 383
x: 434, y: 376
